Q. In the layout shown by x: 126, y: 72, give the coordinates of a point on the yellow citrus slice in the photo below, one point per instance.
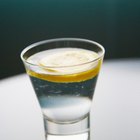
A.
x: 63, y: 65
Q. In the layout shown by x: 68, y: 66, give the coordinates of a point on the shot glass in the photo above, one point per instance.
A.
x: 64, y: 87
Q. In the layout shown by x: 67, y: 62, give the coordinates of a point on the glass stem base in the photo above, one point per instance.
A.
x: 79, y: 130
x: 83, y: 136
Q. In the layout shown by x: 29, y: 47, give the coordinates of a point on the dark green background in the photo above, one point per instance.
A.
x: 113, y: 23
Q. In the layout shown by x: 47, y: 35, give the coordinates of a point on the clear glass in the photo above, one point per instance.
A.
x: 65, y: 99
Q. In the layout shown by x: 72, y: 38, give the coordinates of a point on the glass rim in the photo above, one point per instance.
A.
x: 61, y: 39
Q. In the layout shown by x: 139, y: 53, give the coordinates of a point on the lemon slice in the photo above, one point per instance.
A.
x: 64, y: 65
x: 68, y: 62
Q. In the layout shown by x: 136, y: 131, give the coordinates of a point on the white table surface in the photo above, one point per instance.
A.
x: 115, y: 110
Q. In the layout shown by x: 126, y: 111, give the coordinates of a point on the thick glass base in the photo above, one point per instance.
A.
x: 78, y: 130
x: 83, y: 136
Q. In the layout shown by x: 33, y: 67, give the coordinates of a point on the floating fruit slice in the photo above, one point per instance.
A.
x: 68, y: 62
x: 67, y: 65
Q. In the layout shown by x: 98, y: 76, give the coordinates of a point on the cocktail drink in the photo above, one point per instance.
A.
x: 63, y: 73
